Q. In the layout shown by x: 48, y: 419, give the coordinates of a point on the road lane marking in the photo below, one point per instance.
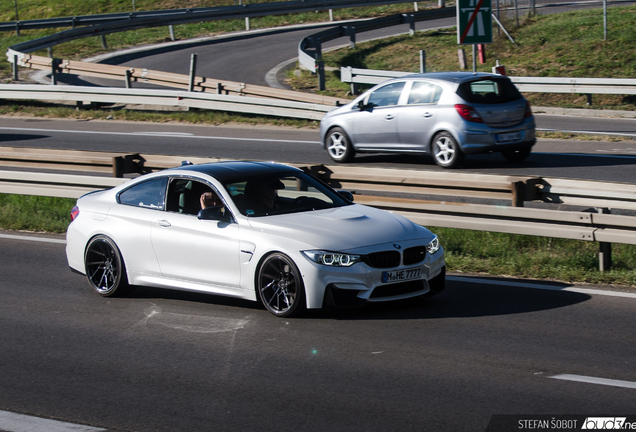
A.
x: 594, y: 380
x: 161, y: 134
x: 32, y: 238
x: 541, y: 286
x: 12, y: 422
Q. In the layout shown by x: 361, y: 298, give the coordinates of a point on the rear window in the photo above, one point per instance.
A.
x: 489, y: 91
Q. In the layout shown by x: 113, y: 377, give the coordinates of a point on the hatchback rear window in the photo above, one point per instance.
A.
x: 489, y: 91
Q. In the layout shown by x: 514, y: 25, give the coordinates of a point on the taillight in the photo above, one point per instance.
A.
x: 74, y: 213
x: 468, y: 113
x: 528, y: 111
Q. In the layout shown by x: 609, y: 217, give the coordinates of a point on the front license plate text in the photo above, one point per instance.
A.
x: 401, y: 275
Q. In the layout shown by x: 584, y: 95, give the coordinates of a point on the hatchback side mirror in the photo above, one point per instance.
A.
x: 215, y: 213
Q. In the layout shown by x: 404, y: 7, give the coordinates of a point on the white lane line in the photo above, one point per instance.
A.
x: 541, y: 286
x: 161, y: 134
x: 12, y: 422
x: 594, y: 380
x: 31, y: 238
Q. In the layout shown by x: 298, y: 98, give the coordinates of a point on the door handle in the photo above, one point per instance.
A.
x: 163, y: 223
x: 389, y: 117
x: 427, y: 114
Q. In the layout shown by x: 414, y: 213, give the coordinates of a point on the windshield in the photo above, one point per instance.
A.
x: 282, y: 194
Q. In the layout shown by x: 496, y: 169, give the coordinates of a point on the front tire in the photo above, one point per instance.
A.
x: 339, y: 146
x: 105, y: 268
x: 280, y: 287
x: 446, y: 151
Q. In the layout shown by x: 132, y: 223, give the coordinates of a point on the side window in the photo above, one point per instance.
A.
x: 150, y: 194
x: 386, y: 96
x: 424, y: 93
x: 189, y: 196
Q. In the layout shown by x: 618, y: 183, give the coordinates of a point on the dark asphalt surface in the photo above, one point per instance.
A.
x: 170, y: 361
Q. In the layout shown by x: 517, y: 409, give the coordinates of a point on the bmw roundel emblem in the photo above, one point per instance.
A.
x: 397, y: 246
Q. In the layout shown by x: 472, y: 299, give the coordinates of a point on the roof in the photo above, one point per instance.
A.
x: 230, y: 171
x: 455, y: 77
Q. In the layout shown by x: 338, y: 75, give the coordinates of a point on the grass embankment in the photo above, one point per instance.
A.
x: 466, y: 251
x: 557, y: 45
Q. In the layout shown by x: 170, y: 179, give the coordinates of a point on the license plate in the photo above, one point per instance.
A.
x: 401, y: 275
x: 512, y: 136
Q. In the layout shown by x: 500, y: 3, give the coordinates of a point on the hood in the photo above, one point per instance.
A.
x: 343, y: 228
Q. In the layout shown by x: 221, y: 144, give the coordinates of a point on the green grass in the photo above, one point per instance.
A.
x: 558, y: 45
x: 35, y: 213
x: 466, y: 251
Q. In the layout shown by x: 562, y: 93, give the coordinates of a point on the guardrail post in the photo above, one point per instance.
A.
x: 193, y: 70
x: 351, y: 32
x: 330, y: 14
x: 55, y: 63
x: 441, y: 3
x: 104, y: 44
x: 319, y: 64
x: 422, y: 61
x: 171, y: 29
x: 133, y: 164
x: 518, y: 193
x: 247, y: 23
x: 17, y: 28
x: 219, y: 88
x: 461, y: 54
x: 128, y: 76
x: 589, y: 99
x: 15, y: 68
x: 410, y: 19
x: 604, y: 248
x: 415, y: 7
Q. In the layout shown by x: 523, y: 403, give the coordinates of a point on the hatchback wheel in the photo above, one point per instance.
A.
x: 517, y: 155
x: 446, y: 151
x: 105, y: 267
x: 339, y: 145
x: 280, y: 286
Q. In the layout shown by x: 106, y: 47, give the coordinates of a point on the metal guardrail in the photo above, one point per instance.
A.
x: 166, y: 79
x: 516, y: 190
x: 622, y: 86
x: 188, y: 15
x: 310, y: 48
x: 379, y: 188
x: 242, y: 104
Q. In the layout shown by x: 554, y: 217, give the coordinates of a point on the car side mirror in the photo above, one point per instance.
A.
x: 346, y: 194
x: 362, y: 106
x: 215, y: 213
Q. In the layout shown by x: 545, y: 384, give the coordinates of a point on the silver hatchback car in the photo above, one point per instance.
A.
x: 446, y: 114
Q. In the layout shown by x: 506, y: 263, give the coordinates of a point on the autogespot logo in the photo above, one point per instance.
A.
x: 607, y: 423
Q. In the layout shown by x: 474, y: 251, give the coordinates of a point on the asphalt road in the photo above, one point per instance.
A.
x: 593, y: 160
x: 169, y: 361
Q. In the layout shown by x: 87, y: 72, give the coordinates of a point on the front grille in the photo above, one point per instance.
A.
x: 414, y: 255
x: 386, y: 259
x: 398, y: 289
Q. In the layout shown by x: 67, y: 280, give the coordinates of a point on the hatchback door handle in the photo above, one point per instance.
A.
x: 163, y: 223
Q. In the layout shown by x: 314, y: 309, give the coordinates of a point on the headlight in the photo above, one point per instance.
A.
x: 333, y: 259
x: 433, y: 246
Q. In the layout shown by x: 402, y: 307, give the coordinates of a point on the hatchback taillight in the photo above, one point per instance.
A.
x: 74, y: 213
x: 528, y: 111
x: 468, y: 113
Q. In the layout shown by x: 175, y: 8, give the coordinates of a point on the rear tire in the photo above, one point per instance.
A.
x: 105, y: 268
x: 339, y: 146
x: 446, y: 151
